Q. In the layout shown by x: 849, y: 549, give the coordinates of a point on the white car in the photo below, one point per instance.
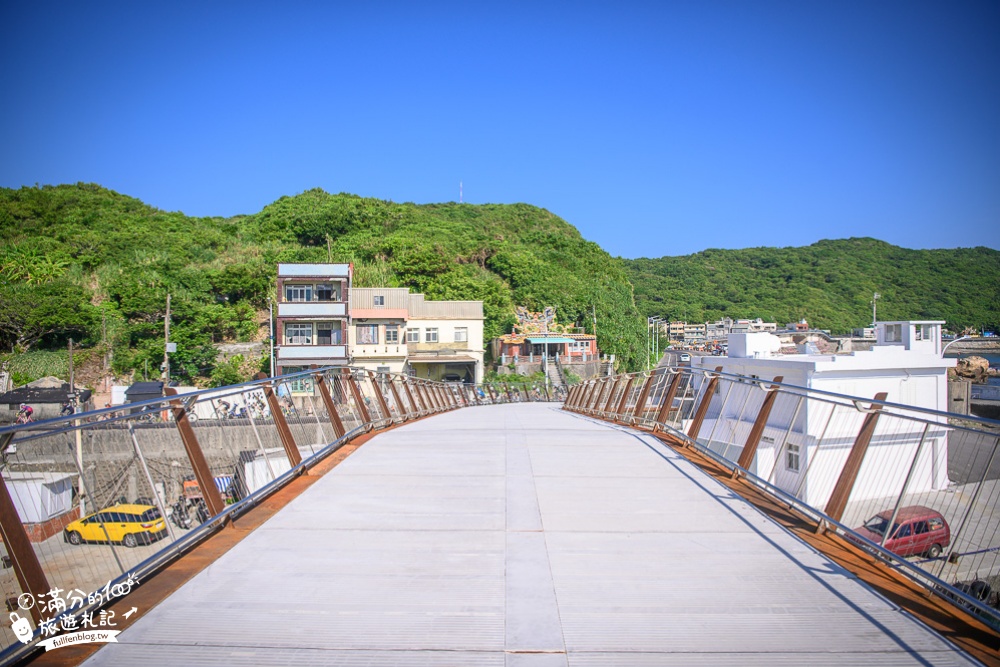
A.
x: 685, y: 357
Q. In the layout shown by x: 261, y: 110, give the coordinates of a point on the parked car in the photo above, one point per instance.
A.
x: 127, y: 524
x: 918, y: 530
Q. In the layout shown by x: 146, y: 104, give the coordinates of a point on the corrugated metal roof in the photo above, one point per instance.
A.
x: 445, y: 310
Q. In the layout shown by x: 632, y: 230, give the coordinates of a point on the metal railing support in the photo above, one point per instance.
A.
x: 611, y: 395
x: 359, y: 400
x: 753, y: 440
x: 620, y: 412
x: 706, y: 399
x: 640, y: 403
x: 849, y: 475
x: 280, y: 423
x: 597, y: 392
x: 331, y: 407
x: 27, y: 568
x: 420, y: 407
x: 379, y: 396
x: 404, y: 412
x: 663, y: 416
x: 202, y: 473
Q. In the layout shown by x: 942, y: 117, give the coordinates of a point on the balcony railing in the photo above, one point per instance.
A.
x: 840, y: 461
x: 315, y: 309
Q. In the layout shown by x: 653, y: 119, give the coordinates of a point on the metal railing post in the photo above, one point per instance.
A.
x: 404, y: 411
x: 611, y: 395
x: 845, y: 483
x: 663, y: 416
x: 640, y: 403
x: 753, y: 440
x: 706, y: 399
x: 421, y: 407
x: 620, y: 412
x: 359, y: 400
x: 202, y: 473
x: 379, y: 396
x: 280, y: 423
x: 27, y: 567
x: 331, y: 407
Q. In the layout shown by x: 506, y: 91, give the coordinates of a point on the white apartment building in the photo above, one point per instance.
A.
x: 398, y: 332
x: 905, y: 362
x: 312, y: 317
x: 445, y: 339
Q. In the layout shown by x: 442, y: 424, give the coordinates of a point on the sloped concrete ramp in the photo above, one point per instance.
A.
x: 523, y: 536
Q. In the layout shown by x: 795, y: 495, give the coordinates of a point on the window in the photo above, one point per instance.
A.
x: 391, y: 334
x: 792, y: 457
x: 382, y: 369
x: 367, y: 334
x: 324, y: 293
x: 413, y: 335
x: 431, y: 335
x: 379, y: 301
x: 301, y: 384
x: 298, y: 292
x: 894, y: 333
x: 327, y: 334
x: 461, y: 334
x: 298, y: 334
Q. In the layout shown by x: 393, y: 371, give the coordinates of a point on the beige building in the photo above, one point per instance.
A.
x: 445, y: 339
x: 394, y: 331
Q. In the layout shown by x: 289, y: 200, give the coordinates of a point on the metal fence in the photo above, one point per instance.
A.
x: 918, y: 488
x: 92, y: 503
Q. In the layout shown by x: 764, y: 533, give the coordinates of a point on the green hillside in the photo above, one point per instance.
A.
x: 82, y: 261
x: 830, y: 283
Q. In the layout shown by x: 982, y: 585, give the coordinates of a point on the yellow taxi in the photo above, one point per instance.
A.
x: 129, y: 525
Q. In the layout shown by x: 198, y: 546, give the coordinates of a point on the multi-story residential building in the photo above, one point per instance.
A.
x: 397, y: 332
x: 377, y: 335
x: 694, y: 333
x: 718, y: 330
x: 444, y: 339
x: 676, y: 330
x: 758, y: 325
x: 312, y: 316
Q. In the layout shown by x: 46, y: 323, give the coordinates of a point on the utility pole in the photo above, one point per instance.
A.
x: 875, y: 298
x: 166, y: 345
x: 72, y: 399
x: 647, y: 344
x: 270, y: 329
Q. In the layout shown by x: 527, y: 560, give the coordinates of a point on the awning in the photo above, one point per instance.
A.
x: 442, y: 360
x: 550, y: 339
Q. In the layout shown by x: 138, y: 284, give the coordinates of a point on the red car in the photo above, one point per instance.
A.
x: 918, y: 530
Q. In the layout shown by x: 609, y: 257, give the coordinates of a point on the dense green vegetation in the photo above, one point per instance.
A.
x: 84, y: 262
x: 830, y: 283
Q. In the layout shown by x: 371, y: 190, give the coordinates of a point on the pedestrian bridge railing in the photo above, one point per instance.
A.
x: 92, y: 503
x: 918, y: 488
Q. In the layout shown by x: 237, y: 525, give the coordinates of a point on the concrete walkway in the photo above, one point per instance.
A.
x: 524, y: 536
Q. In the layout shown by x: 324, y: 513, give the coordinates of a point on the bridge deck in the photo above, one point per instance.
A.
x: 521, y: 535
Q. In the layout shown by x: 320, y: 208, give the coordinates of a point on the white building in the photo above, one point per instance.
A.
x: 906, y: 363
x: 312, y: 315
x: 398, y: 332
x: 445, y: 339
x: 377, y: 335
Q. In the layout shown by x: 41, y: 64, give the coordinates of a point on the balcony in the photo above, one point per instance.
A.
x: 315, y: 309
x: 312, y: 352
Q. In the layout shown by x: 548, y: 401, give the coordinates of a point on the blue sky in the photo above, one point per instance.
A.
x: 656, y: 128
